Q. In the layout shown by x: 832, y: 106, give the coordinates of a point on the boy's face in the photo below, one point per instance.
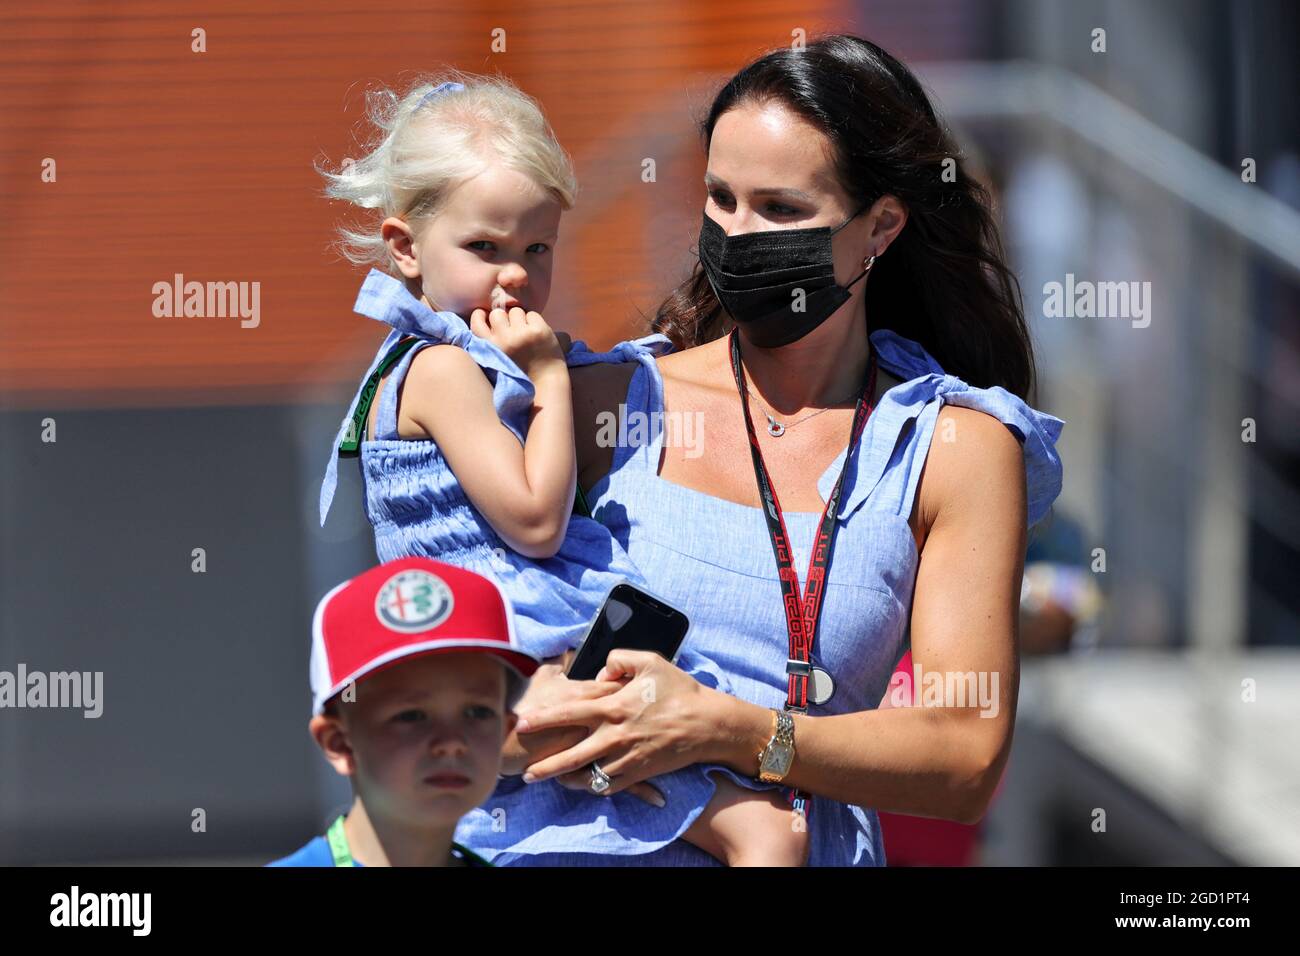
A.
x: 423, y: 738
x: 491, y: 245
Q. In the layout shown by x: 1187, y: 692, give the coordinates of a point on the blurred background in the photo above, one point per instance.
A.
x: 1147, y: 141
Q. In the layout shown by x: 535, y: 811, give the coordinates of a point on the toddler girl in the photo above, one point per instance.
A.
x: 464, y: 428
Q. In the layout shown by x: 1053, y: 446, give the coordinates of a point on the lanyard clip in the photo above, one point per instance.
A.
x: 820, y: 686
x: 799, y: 669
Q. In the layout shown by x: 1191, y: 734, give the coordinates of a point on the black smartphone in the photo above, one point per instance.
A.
x: 629, y: 618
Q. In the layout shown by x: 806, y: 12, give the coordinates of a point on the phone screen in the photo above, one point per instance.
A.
x: 630, y: 618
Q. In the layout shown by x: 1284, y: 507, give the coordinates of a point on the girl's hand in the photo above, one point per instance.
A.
x: 523, y: 336
x: 659, y: 720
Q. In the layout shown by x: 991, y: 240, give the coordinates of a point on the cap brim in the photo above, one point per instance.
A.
x: 522, y: 664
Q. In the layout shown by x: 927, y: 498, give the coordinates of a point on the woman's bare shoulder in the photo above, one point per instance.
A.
x: 598, y: 389
x: 603, y: 385
x: 698, y: 365
x: 600, y: 385
x: 974, y: 466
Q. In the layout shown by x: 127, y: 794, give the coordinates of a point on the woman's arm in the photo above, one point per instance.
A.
x: 936, y: 761
x: 598, y: 390
x: 927, y: 761
x: 525, y: 493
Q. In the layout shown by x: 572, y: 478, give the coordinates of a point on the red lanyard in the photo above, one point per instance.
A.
x: 801, y: 614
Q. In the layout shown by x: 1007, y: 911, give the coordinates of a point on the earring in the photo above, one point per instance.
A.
x: 868, y: 263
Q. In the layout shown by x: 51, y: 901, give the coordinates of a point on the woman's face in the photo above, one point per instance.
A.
x: 771, y: 169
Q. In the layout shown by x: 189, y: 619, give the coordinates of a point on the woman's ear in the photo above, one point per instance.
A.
x: 888, y: 216
x: 400, y: 239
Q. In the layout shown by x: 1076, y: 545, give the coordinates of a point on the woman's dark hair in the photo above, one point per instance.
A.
x: 943, y: 281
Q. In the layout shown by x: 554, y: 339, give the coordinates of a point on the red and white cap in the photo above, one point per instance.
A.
x: 408, y: 607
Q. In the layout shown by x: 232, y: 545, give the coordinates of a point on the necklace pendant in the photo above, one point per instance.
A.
x: 774, y: 428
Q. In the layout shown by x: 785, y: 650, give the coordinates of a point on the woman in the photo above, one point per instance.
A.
x: 844, y: 255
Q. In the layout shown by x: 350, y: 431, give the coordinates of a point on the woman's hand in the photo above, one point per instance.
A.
x: 659, y: 719
x: 548, y: 687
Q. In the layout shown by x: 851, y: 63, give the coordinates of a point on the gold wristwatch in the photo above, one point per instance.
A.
x: 774, y: 760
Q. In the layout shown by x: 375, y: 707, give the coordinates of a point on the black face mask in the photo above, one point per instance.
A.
x: 756, y: 276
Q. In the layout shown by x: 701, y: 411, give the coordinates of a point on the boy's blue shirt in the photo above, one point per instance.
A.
x: 316, y: 852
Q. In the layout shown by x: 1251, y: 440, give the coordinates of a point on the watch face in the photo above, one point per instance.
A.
x: 779, y: 758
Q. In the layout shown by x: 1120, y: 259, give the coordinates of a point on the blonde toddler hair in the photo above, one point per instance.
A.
x: 422, y: 146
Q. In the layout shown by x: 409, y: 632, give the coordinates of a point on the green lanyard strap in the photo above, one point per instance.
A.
x: 342, y: 853
x: 580, y: 506
x: 351, y: 445
x: 338, y: 841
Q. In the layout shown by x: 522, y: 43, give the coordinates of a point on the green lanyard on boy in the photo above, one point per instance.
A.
x: 342, y: 853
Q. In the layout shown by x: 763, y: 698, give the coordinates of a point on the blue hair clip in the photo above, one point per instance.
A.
x: 441, y: 88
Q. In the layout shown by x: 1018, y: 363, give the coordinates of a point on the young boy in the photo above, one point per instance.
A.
x: 415, y: 672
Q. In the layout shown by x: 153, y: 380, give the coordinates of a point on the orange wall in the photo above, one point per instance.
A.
x: 171, y: 161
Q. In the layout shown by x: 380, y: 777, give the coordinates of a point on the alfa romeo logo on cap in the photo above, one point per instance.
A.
x: 413, y: 601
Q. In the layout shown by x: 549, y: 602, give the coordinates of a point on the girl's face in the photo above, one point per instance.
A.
x: 490, y: 246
